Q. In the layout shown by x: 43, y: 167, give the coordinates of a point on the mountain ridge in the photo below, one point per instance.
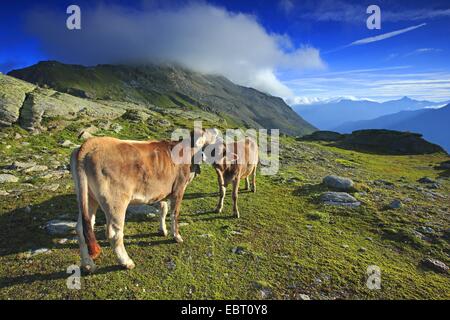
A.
x: 329, y: 115
x: 168, y: 86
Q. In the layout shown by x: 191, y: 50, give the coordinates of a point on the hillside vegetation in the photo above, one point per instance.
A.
x: 286, y: 245
x: 296, y: 238
x: 169, y: 86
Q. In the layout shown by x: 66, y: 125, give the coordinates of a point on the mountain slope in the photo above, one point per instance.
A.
x: 328, y: 116
x: 169, y: 86
x: 431, y: 123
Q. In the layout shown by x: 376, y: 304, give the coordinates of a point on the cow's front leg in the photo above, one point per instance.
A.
x: 235, y: 196
x: 176, y: 203
x: 162, y: 218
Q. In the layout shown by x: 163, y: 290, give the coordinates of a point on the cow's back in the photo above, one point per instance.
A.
x: 143, y: 170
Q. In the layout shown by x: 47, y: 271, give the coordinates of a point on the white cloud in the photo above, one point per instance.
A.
x: 203, y: 37
x: 385, y: 35
x: 286, y: 6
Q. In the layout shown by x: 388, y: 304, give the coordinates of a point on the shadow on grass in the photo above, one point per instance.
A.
x: 6, y: 282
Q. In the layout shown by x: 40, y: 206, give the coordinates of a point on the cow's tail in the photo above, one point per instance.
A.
x: 84, y: 226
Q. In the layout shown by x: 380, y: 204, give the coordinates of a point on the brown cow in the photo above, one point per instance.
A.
x: 111, y: 174
x: 237, y: 160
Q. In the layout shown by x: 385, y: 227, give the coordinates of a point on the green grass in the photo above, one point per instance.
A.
x: 291, y: 243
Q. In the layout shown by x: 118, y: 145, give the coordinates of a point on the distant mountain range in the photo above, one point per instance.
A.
x: 332, y: 114
x: 168, y: 86
x: 433, y: 124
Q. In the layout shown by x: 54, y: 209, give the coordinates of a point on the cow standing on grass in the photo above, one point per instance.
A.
x: 232, y: 162
x: 111, y: 174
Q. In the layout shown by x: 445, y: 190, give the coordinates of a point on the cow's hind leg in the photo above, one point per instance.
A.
x: 92, y: 209
x: 162, y: 218
x: 235, y: 196
x: 254, y: 180
x: 247, y: 183
x: 114, y: 231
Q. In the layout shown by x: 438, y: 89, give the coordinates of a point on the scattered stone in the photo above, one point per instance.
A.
x: 302, y: 296
x: 37, y: 168
x: 25, y: 144
x: 27, y: 209
x: 238, y: 250
x: 116, y: 127
x: 395, y: 204
x: 52, y: 187
x: 435, y: 265
x: 4, y: 193
x: 18, y: 165
x: 17, y: 136
x: 164, y: 122
x: 381, y: 182
x: 171, y: 265
x: 236, y: 233
x: 426, y: 229
x: 8, y: 178
x: 362, y: 249
x: 426, y: 180
x: 444, y: 165
x: 67, y: 144
x: 338, y: 183
x: 369, y: 238
x: 62, y: 241
x: 183, y: 224
x: 146, y: 210
x: 339, y: 199
x: 36, y: 252
x: 56, y: 227
x: 434, y: 186
x: 345, y: 246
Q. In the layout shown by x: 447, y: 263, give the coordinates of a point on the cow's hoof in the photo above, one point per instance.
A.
x: 89, y: 268
x: 218, y: 210
x: 254, y: 190
x: 236, y: 214
x: 129, y: 265
x: 178, y: 239
x: 162, y: 232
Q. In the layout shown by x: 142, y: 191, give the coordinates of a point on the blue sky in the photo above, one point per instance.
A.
x: 299, y: 50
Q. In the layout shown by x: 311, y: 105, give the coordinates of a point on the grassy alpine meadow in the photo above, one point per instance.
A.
x: 288, y: 243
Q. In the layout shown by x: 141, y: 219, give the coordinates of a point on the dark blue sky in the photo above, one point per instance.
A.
x: 413, y: 62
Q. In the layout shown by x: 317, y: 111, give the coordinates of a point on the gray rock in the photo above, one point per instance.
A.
x: 67, y: 144
x: 116, y: 127
x: 426, y: 180
x: 36, y: 252
x: 426, y: 229
x: 85, y: 135
x: 56, y: 227
x: 339, y: 199
x: 338, y: 183
x: 143, y: 210
x: 302, y: 296
x: 238, y: 250
x: 435, y: 265
x: 37, y: 168
x: 8, y: 178
x: 19, y: 165
x: 395, y: 204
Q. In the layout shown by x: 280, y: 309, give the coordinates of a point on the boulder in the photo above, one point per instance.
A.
x: 338, y: 183
x: 395, y: 204
x: 435, y: 265
x: 8, y: 178
x: 339, y: 199
x: 426, y: 180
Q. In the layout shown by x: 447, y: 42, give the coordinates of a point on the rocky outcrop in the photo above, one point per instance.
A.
x: 12, y: 96
x: 29, y: 105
